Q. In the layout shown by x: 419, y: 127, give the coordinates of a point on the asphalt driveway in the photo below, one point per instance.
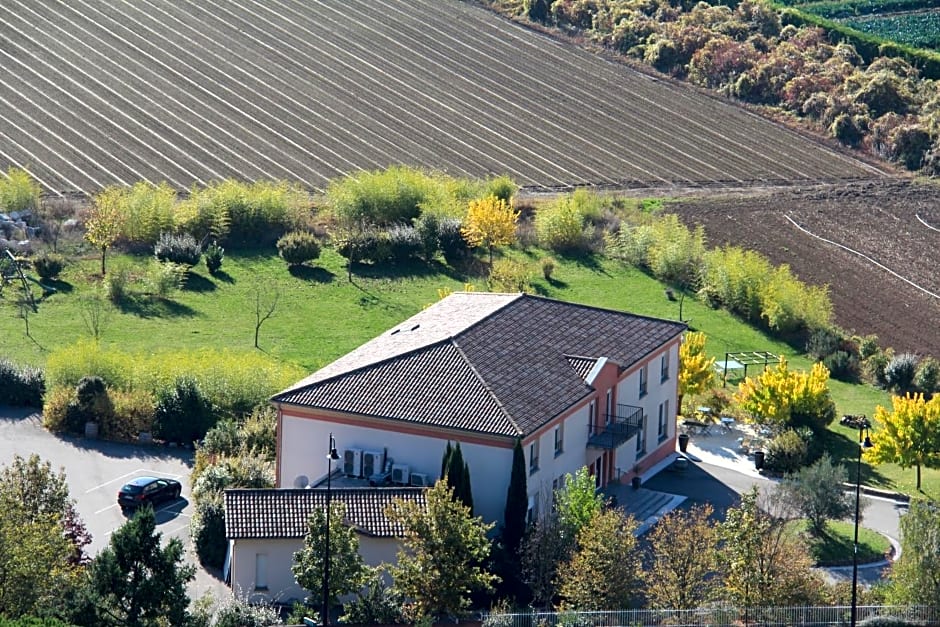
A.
x: 95, y: 471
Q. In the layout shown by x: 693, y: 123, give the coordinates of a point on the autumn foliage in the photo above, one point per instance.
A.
x: 786, y: 398
x: 909, y: 435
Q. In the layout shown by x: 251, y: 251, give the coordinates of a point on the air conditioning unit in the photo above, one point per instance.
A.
x: 371, y: 463
x: 400, y: 474
x: 352, y: 462
x: 420, y: 479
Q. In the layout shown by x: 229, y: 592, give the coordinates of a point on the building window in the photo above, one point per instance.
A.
x: 664, y: 368
x: 592, y: 417
x: 532, y: 513
x: 610, y: 406
x: 261, y: 571
x: 643, y: 383
x: 641, y: 438
x: 559, y: 439
x: 663, y: 420
x: 534, y: 456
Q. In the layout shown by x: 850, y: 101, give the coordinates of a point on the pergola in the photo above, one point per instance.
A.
x: 741, y: 360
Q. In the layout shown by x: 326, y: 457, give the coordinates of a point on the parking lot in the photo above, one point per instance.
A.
x: 96, y: 470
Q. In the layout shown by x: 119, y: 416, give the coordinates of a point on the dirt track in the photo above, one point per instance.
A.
x: 880, y: 260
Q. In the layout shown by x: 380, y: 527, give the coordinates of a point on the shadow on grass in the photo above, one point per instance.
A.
x: 844, y: 450
x: 557, y: 283
x: 198, y: 283
x: 60, y: 286
x: 412, y: 268
x: 223, y: 276
x: 836, y: 546
x: 150, y: 307
x: 314, y: 274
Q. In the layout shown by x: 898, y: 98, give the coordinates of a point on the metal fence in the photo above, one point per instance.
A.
x: 718, y: 617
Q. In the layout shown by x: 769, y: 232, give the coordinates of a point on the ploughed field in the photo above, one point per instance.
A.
x: 97, y: 92
x: 876, y: 244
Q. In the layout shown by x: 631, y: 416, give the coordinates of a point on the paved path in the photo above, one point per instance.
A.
x: 718, y: 473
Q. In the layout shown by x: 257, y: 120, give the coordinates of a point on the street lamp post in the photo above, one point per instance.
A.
x: 331, y: 456
x: 864, y: 442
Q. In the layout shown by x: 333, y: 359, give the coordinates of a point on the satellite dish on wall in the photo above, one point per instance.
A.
x: 301, y: 481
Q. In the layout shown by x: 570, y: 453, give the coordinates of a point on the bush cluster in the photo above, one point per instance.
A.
x: 399, y: 243
x: 18, y: 191
x: 48, y: 265
x: 298, y: 247
x: 563, y: 225
x: 214, y: 256
x: 179, y: 248
x: 786, y: 452
x: 21, y: 385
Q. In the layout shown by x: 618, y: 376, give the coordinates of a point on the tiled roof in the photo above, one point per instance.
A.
x: 581, y: 365
x: 283, y: 513
x: 502, y: 364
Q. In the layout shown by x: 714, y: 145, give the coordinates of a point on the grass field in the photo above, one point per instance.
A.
x: 321, y: 315
x: 837, y: 546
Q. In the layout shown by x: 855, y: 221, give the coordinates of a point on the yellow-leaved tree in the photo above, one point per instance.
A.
x: 490, y: 222
x: 909, y: 435
x: 781, y: 397
x: 105, y: 221
x: 696, y: 369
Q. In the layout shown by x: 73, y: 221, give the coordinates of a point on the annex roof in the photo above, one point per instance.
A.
x: 283, y: 513
x: 501, y: 364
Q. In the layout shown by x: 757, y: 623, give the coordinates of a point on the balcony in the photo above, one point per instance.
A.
x: 622, y: 427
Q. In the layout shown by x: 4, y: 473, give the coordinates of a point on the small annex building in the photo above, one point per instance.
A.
x: 265, y: 527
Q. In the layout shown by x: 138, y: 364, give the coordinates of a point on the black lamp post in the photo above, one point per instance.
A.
x: 864, y: 443
x: 331, y: 456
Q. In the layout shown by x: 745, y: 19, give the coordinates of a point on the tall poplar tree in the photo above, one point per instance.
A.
x: 516, y: 502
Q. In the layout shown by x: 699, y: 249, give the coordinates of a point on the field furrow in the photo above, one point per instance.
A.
x: 194, y: 90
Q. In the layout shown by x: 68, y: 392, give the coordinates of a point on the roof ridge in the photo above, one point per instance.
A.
x: 604, y: 309
x: 486, y: 386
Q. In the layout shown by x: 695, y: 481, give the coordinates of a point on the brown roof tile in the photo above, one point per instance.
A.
x: 283, y: 513
x: 492, y: 363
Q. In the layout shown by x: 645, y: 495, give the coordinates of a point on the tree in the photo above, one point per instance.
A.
x: 347, y: 571
x: 762, y: 565
x: 604, y: 572
x: 95, y: 311
x: 915, y: 576
x: 544, y: 549
x: 444, y: 549
x: 578, y: 502
x: 490, y: 222
x: 182, y: 412
x: 265, y: 301
x: 135, y: 582
x: 516, y: 502
x: 683, y: 558
x: 54, y: 212
x: 696, y: 369
x: 104, y: 222
x: 818, y: 494
x: 784, y: 398
x: 909, y: 435
x: 457, y: 473
x: 376, y: 603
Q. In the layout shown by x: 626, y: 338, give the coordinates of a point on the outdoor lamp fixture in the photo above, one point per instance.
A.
x: 331, y: 456
x: 864, y: 443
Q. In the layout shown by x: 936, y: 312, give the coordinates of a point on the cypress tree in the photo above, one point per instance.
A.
x: 516, y: 502
x: 455, y: 472
x: 466, y: 491
x: 445, y: 462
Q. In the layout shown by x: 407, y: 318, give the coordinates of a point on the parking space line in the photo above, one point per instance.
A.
x: 106, y: 508
x: 121, y: 478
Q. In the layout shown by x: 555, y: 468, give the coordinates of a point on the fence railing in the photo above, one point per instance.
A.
x: 717, y: 617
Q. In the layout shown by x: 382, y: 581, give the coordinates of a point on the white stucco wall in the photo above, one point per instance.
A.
x: 551, y: 467
x: 304, y: 442
x: 279, y: 553
x: 658, y: 391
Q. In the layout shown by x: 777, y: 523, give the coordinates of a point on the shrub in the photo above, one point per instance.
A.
x: 18, y: 191
x: 214, y: 256
x: 164, y: 278
x: 560, y: 226
x: 928, y: 375
x: 298, y: 247
x: 207, y: 530
x: 502, y: 187
x: 900, y: 372
x: 427, y: 227
x: 48, y: 265
x: 147, y: 210
x: 875, y: 366
x: 182, y: 249
x: 133, y: 414
x: 90, y: 403
x: 116, y: 283
x: 258, y: 433
x: 404, y: 242
x: 383, y: 197
x: 510, y: 275
x: 21, y: 385
x: 222, y: 440
x: 548, y: 267
x: 786, y: 452
x: 453, y: 245
x: 843, y: 365
x: 55, y: 408
x: 182, y: 413
x: 213, y: 481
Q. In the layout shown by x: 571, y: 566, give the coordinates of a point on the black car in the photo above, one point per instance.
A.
x: 148, y: 490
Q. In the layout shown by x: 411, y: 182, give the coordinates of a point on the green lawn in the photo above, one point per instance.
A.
x: 321, y: 315
x: 836, y: 547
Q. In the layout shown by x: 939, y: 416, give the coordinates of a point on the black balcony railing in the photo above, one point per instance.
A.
x: 620, y: 427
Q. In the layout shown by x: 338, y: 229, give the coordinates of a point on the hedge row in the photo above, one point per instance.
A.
x: 21, y: 385
x: 868, y: 46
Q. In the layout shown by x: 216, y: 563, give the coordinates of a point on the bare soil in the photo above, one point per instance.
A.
x: 875, y: 243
